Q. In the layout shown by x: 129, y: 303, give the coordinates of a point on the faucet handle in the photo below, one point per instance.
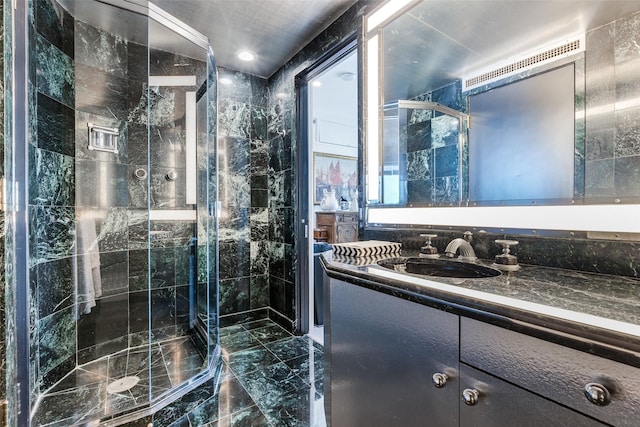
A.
x: 429, y: 251
x: 506, y: 261
x: 468, y: 236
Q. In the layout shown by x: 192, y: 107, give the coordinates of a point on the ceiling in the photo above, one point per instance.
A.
x: 439, y: 41
x: 273, y: 29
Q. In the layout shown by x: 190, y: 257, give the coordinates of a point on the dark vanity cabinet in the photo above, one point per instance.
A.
x: 382, y: 361
x: 394, y: 362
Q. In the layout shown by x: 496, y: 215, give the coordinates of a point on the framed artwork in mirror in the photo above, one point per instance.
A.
x: 334, y: 172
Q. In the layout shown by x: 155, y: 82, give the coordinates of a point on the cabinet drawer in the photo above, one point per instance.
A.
x: 347, y: 217
x: 502, y: 404
x: 551, y: 370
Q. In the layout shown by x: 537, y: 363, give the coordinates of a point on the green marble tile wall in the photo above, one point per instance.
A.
x: 283, y: 152
x: 85, y: 204
x: 243, y: 225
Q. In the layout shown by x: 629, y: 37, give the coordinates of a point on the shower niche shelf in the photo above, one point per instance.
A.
x: 102, y: 138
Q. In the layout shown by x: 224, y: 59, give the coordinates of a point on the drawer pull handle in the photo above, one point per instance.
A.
x: 470, y: 396
x: 597, y: 394
x: 439, y: 379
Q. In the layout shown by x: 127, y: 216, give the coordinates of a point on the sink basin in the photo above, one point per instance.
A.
x: 439, y: 268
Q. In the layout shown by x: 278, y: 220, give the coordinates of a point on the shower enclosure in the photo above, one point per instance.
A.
x: 111, y: 211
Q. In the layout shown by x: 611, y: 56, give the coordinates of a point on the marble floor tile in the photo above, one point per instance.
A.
x: 269, y: 378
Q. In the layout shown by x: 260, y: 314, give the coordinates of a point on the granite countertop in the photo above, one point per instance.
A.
x: 597, y: 307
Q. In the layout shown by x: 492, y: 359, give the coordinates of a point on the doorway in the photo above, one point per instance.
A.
x: 328, y: 126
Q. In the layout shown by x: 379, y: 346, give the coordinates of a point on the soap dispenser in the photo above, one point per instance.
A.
x: 505, y: 261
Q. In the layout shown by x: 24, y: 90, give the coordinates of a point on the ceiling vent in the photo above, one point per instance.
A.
x: 530, y: 60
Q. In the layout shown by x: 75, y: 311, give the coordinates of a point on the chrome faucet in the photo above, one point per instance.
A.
x: 462, y: 245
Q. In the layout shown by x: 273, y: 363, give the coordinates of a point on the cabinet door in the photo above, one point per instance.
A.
x: 382, y: 353
x: 502, y: 404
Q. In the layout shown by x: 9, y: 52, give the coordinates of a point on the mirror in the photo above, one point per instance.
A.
x: 430, y: 52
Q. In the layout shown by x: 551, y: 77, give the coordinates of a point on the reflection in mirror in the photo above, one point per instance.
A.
x: 421, y: 151
x: 429, y: 49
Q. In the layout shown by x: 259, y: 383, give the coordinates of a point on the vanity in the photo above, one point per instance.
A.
x: 539, y: 346
x: 457, y: 140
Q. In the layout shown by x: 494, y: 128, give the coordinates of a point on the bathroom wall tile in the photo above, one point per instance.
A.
x: 53, y: 179
x: 163, y: 309
x: 55, y: 24
x: 259, y: 257
x: 277, y: 295
x: 446, y: 161
x: 138, y: 229
x: 167, y: 145
x: 239, y: 87
x: 446, y: 190
x: 419, y: 136
x: 163, y: 63
x: 258, y: 122
x: 107, y: 321
x: 55, y: 286
x: 277, y: 224
x: 276, y: 260
x: 234, y: 118
x: 137, y: 57
x: 234, y: 295
x: 53, y: 231
x: 100, y: 93
x: 101, y: 184
x: 599, y: 66
x: 259, y: 223
x: 627, y: 86
x: 165, y: 193
x: 290, y: 263
x: 114, y: 272
x: 162, y: 267
x: 259, y: 292
x: 289, y: 225
x: 419, y: 191
x: 419, y: 165
x: 138, y: 270
x: 182, y: 256
x: 627, y: 141
x: 113, y: 233
x: 627, y: 176
x: 235, y: 259
x: 627, y: 45
x: 55, y: 73
x: 139, y: 311
x: 600, y: 143
x: 100, y: 49
x: 138, y: 188
x: 259, y: 156
x: 599, y: 176
x: 57, y: 339
x: 259, y: 198
x: 56, y: 124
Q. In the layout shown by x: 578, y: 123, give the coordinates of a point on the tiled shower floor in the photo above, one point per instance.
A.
x: 270, y: 378
x: 83, y: 395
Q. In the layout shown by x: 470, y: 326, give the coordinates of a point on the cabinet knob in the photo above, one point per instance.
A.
x: 470, y: 396
x: 440, y: 379
x: 597, y: 394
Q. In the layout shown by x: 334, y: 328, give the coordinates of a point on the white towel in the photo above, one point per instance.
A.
x: 89, y: 282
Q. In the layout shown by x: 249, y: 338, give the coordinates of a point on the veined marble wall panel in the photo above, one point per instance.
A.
x: 282, y: 145
x: 243, y: 223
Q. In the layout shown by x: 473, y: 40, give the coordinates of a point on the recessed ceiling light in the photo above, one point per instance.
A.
x: 225, y: 81
x: 246, y: 55
x: 317, y: 83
